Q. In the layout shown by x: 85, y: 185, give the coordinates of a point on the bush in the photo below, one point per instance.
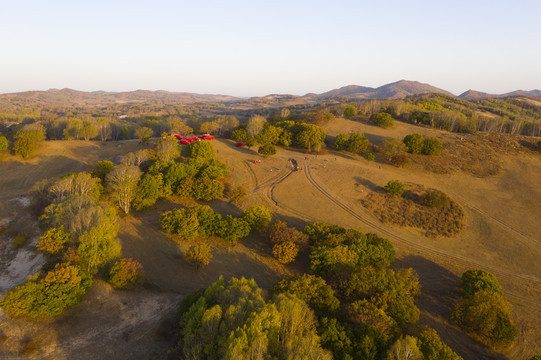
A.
x: 435, y: 198
x: 198, y: 255
x: 370, y: 157
x: 237, y: 193
x: 399, y: 160
x: 382, y: 119
x: 395, y: 188
x: 126, y: 273
x: 414, y: 143
x: 19, y: 240
x: 180, y: 222
x: 431, y: 146
x: 358, y: 144
x: 257, y: 216
x: 285, y: 251
x: 267, y: 150
x: 391, y: 147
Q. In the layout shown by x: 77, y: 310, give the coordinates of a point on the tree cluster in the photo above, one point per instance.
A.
x: 484, y: 311
x: 354, y: 142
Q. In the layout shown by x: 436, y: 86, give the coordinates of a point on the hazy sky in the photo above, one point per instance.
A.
x: 250, y: 48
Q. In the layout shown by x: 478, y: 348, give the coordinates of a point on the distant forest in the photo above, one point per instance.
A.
x: 70, y: 118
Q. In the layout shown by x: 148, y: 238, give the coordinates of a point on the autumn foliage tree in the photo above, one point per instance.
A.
x: 125, y: 273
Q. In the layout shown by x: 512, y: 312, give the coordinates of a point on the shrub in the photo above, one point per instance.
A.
x: 435, y: 198
x: 431, y: 146
x: 126, y: 273
x: 414, y: 143
x: 395, y: 188
x: 370, y: 157
x: 267, y: 150
x: 198, y: 255
x: 391, y: 147
x: 19, y: 240
x: 382, y: 119
x: 399, y: 160
x: 149, y: 190
x: 358, y: 144
x: 285, y: 251
x: 237, y: 193
x: 257, y: 216
x: 180, y: 222
x: 53, y: 240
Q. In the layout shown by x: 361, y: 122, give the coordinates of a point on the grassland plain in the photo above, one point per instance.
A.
x: 501, y: 235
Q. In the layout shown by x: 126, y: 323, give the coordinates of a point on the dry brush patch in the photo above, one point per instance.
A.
x: 408, y: 210
x: 478, y: 154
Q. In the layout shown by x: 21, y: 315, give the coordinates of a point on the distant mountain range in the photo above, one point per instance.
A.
x: 396, y: 90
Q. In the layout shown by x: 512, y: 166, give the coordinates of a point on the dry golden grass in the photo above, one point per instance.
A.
x: 501, y: 235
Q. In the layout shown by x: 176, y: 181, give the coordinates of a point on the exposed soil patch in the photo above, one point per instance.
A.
x: 407, y: 210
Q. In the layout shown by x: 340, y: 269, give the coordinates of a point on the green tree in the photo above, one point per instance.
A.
x: 358, y: 144
x: 232, y: 229
x: 255, y: 125
x: 382, y: 119
x: 201, y: 150
x: 414, y: 143
x: 433, y: 348
x: 180, y: 222
x: 102, y: 168
x: 257, y: 216
x: 144, y: 133
x: 285, y: 251
x: 341, y: 141
x: 240, y: 135
x: 405, y: 348
x: 167, y: 149
x: 4, y: 144
x: 98, y: 245
x: 27, y: 141
x: 350, y: 110
x: 207, y: 189
x: 208, y: 219
x: 88, y: 131
x: 122, y: 183
x: 313, y: 290
x: 126, y: 273
x: 395, y: 188
x: 198, y: 255
x: 431, y: 146
x: 209, y: 127
x: 149, y: 190
x: 475, y: 280
x: 311, y: 135
x: 53, y: 240
x: 267, y: 150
